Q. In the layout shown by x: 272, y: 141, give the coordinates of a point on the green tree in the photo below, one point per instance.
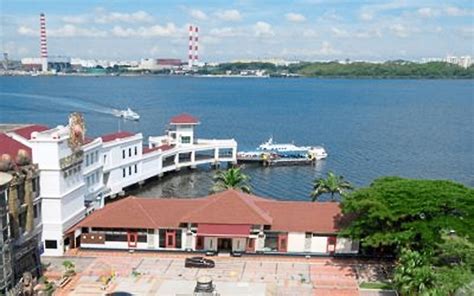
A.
x: 232, y: 178
x: 413, y: 274
x: 333, y: 184
x: 396, y: 212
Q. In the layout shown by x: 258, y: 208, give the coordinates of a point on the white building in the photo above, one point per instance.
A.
x: 63, y: 189
x: 463, y: 61
x: 78, y: 173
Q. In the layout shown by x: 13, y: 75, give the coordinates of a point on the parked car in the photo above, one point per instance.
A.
x: 199, y: 262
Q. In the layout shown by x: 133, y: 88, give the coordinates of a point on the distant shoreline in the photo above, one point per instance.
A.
x: 354, y: 77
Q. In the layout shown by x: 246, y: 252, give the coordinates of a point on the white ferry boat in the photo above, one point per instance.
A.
x: 291, y: 150
x: 127, y: 114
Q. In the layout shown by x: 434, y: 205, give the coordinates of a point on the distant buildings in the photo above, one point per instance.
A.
x: 55, y: 64
x: 463, y: 61
x: 159, y: 64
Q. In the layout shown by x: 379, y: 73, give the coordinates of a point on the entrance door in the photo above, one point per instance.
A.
x: 132, y: 238
x: 331, y: 245
x: 282, y: 242
x: 170, y: 239
x: 224, y: 244
x: 250, y: 245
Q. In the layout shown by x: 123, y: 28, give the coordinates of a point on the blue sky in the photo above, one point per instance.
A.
x: 242, y: 29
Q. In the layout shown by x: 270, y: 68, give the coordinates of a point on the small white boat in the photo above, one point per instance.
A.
x: 127, y: 114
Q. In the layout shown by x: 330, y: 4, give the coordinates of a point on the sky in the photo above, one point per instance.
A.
x: 241, y: 29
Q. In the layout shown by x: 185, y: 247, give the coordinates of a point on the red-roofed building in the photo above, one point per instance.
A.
x: 225, y: 221
x: 26, y: 131
x: 11, y: 147
x: 184, y: 119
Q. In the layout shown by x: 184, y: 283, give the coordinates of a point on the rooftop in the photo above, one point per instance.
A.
x: 184, y: 119
x: 228, y: 207
x: 26, y: 131
x: 11, y: 147
x: 115, y: 136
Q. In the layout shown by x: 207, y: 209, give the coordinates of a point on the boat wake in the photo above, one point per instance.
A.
x: 77, y: 104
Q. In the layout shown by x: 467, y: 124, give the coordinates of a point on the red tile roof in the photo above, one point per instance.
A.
x: 230, y: 207
x: 10, y: 146
x: 162, y: 147
x: 184, y: 119
x: 117, y: 135
x: 26, y: 131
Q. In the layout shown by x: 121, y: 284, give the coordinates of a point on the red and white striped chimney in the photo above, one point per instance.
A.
x: 191, y: 47
x: 196, y: 31
x: 43, y: 43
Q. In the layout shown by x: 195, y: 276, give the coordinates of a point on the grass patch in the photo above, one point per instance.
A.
x: 376, y: 285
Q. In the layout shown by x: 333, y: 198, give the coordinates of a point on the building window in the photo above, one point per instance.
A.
x: 123, y: 153
x: 186, y: 140
x: 87, y: 159
x: 178, y: 239
x: 136, y: 150
x: 129, y: 152
x: 129, y: 170
x: 136, y: 169
x: 162, y: 235
x: 50, y: 244
x: 124, y: 172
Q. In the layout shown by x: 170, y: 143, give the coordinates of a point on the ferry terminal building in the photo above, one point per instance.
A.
x: 224, y: 222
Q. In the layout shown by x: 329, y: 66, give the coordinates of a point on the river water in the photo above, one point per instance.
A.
x: 370, y: 128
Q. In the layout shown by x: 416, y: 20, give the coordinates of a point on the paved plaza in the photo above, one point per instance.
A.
x: 142, y: 274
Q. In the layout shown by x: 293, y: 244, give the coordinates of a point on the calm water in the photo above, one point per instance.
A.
x: 371, y: 128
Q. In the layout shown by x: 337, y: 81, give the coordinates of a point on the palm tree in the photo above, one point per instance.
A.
x: 233, y: 178
x: 332, y: 184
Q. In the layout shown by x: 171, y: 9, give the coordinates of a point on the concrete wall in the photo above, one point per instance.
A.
x: 296, y: 242
x: 239, y: 244
x: 319, y: 244
x: 210, y: 243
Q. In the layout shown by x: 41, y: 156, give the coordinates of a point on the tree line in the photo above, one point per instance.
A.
x: 334, y: 69
x: 427, y: 226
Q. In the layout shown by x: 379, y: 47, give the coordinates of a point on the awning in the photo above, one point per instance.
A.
x: 223, y: 230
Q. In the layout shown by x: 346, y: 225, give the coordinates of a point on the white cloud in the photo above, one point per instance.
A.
x: 75, y: 19
x: 69, y: 30
x: 27, y: 31
x: 145, y: 32
x: 114, y: 17
x: 310, y: 33
x: 456, y: 11
x: 263, y: 29
x: 229, y: 15
x: 366, y: 16
x: 155, y: 50
x: 427, y: 12
x: 400, y: 30
x: 198, y: 14
x: 372, y: 33
x: 225, y: 32
x: 327, y: 49
x: 65, y: 31
x: 295, y: 17
x: 339, y: 32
